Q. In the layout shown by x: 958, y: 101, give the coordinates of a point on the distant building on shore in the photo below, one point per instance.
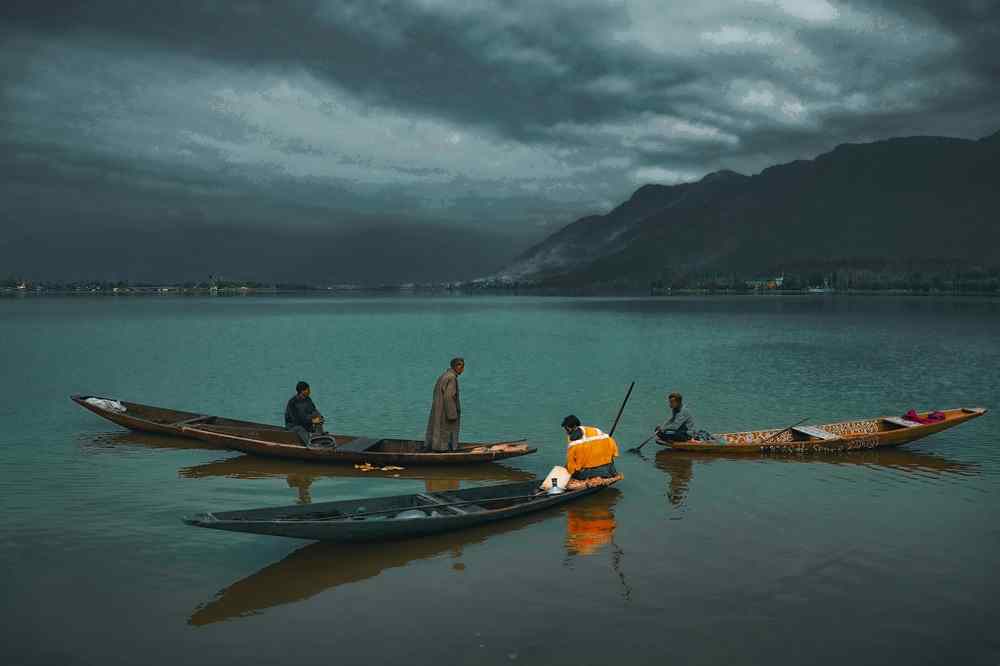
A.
x: 765, y: 284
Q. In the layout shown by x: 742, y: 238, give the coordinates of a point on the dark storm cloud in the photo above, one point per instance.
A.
x: 507, y: 118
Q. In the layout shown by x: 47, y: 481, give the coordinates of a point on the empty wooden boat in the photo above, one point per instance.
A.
x: 390, y: 518
x: 841, y: 436
x: 147, y: 418
x: 336, y: 448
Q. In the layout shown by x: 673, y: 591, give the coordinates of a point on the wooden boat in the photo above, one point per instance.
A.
x: 160, y: 420
x: 320, y: 567
x: 841, y: 436
x: 280, y: 443
x: 272, y: 440
x: 390, y: 518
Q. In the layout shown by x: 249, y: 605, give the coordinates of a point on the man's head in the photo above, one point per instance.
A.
x: 458, y: 365
x: 675, y: 400
x: 302, y: 388
x: 570, y: 423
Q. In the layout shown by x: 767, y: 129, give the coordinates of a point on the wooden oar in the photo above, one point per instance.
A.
x: 621, y: 409
x: 636, y: 449
x: 783, y: 431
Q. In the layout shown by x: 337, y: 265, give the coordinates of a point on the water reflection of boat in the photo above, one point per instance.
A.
x: 319, y: 567
x: 301, y: 475
x: 111, y: 440
x: 254, y: 467
x: 679, y: 465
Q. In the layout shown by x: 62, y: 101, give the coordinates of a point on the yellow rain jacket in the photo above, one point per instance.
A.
x: 595, y: 449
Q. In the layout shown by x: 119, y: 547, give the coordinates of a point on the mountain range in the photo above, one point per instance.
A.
x: 915, y: 202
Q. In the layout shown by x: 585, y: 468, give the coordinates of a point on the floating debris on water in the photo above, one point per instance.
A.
x: 368, y: 467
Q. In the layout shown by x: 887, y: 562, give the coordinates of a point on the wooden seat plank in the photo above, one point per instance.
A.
x: 437, y: 501
x: 358, y: 444
x: 813, y: 431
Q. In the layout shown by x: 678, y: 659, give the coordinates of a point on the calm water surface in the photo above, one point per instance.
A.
x: 873, y: 557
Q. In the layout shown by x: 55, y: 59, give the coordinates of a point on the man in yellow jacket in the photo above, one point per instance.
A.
x: 590, y: 453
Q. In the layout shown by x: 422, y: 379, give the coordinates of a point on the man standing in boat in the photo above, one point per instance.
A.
x: 590, y: 452
x: 679, y: 427
x: 301, y: 415
x: 445, y: 419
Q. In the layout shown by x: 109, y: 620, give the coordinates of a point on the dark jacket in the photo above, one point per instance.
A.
x: 300, y: 412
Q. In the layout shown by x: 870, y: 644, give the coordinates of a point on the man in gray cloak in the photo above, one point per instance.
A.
x: 446, y: 410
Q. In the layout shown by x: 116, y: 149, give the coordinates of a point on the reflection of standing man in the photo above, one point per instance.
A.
x: 302, y: 483
x: 441, y: 485
x: 446, y: 410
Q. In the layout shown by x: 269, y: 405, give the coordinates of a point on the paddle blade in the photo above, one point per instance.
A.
x: 637, y: 449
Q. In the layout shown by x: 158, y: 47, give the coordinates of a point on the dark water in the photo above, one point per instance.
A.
x: 874, y: 557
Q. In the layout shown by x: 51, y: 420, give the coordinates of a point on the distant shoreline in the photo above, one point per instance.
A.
x: 581, y: 292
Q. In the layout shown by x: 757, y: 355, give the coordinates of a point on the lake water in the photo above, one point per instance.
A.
x: 873, y: 557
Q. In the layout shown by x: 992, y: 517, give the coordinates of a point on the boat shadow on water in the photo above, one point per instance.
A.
x: 106, y: 441
x: 301, y: 475
x: 679, y: 465
x: 321, y: 567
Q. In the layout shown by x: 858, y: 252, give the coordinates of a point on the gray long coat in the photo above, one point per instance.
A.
x: 446, y: 414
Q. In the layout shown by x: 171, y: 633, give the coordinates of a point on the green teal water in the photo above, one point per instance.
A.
x: 871, y: 557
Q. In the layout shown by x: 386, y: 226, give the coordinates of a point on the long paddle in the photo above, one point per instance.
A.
x: 621, y: 409
x: 636, y: 449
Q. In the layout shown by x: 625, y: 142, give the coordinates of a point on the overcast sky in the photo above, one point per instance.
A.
x: 428, y: 139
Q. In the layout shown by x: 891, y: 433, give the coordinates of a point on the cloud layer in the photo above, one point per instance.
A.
x: 504, y: 119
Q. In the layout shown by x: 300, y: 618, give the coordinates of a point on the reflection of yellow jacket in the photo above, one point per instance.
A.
x: 588, y: 530
x: 595, y: 449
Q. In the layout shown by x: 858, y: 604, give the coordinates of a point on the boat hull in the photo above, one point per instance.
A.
x: 160, y: 420
x: 851, y: 436
x: 296, y: 522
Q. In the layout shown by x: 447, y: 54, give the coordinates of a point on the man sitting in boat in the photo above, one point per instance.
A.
x: 301, y: 415
x: 679, y: 427
x: 590, y: 453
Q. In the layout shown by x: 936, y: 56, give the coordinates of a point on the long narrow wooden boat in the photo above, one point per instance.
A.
x: 280, y: 443
x: 272, y: 440
x: 160, y: 420
x: 830, y: 437
x: 319, y: 567
x: 391, y: 518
